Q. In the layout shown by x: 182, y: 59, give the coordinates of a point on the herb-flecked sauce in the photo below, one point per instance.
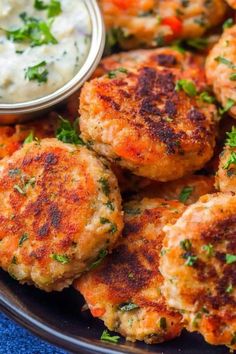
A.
x: 43, y: 44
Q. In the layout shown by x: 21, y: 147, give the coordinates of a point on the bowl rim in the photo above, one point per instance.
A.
x: 91, y: 62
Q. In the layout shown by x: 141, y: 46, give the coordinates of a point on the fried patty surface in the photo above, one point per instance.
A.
x: 199, y: 267
x: 60, y: 206
x: 124, y: 290
x: 141, y: 120
x: 192, y: 65
x: 220, y: 70
x: 187, y: 189
x: 150, y: 23
x: 12, y: 137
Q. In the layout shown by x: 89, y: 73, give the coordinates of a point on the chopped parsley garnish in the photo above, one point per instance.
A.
x: 186, y: 245
x: 64, y: 259
x: 197, y: 43
x: 206, y: 97
x: 231, y: 161
x: 187, y: 86
x: 106, y: 337
x: 209, y: 249
x: 128, y: 307
x: 229, y: 104
x: 101, y: 256
x: 232, y: 77
x: 231, y: 138
x: 34, y: 31
x: 163, y: 323
x: 22, y: 189
x: 37, y: 72
x: 228, y: 23
x: 54, y: 7
x: 105, y: 185
x: 226, y: 62
x: 185, y: 194
x: 67, y: 133
x: 110, y: 205
x: 230, y: 258
x: 23, y: 238
x: 112, y: 74
x: 191, y: 260
x: 233, y: 341
x: 29, y: 138
x: 113, y: 227
x: 229, y: 289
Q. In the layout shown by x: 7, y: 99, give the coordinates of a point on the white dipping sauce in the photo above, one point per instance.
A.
x: 70, y: 28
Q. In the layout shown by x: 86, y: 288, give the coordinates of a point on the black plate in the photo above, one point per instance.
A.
x: 57, y: 317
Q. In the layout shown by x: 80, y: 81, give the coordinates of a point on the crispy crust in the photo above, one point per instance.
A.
x: 130, y: 275
x: 198, y: 278
x: 54, y: 217
x: 140, y: 121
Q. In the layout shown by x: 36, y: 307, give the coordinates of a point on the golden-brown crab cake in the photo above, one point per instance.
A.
x: 221, y: 70
x: 226, y: 174
x: 199, y: 267
x: 124, y: 290
x: 193, y: 65
x: 13, y: 137
x: 232, y: 3
x: 151, y: 23
x: 144, y: 120
x: 187, y: 189
x: 60, y: 206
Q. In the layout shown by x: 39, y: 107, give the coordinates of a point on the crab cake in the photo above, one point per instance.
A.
x: 221, y: 70
x: 192, y: 65
x: 12, y: 137
x: 148, y: 120
x: 124, y: 290
x: 60, y: 206
x: 199, y: 267
x: 151, y: 23
x: 226, y: 174
x: 187, y: 189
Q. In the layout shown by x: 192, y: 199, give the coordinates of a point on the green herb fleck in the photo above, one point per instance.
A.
x: 112, y: 74
x: 231, y: 138
x: 186, y: 245
x: 129, y: 306
x: 187, y: 86
x: 106, y: 337
x: 229, y: 289
x: 64, y: 259
x: 229, y: 104
x: 132, y: 211
x: 185, y: 194
x: 34, y: 31
x: 105, y: 185
x: 230, y: 258
x: 233, y: 341
x: 101, y: 256
x: 228, y: 23
x: 113, y: 227
x: 67, y: 133
x: 226, y: 62
x: 206, y: 97
x: 54, y: 7
x: 37, y: 72
x: 110, y: 205
x: 233, y: 77
x: 231, y: 161
x: 209, y: 249
x: 23, y: 238
x: 190, y: 259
